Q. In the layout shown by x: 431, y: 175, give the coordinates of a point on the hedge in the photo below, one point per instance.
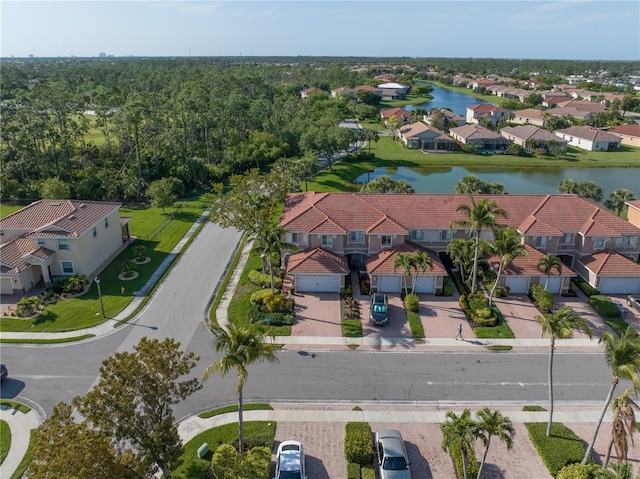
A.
x: 579, y: 471
x: 604, y: 306
x: 358, y: 446
x: 562, y: 448
x: 586, y: 288
x: 542, y: 298
x: 412, y: 302
x: 476, y: 307
x: 264, y: 280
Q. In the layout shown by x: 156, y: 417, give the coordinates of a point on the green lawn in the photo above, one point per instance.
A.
x: 5, y: 439
x: 84, y: 311
x: 6, y: 210
x: 411, y: 100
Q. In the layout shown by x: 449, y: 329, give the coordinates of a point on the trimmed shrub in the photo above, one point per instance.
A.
x: 353, y: 470
x: 476, y: 307
x: 259, y: 296
x: 264, y: 280
x: 358, y: 445
x: 447, y: 287
x: 604, y: 306
x: 562, y: 448
x: 542, y: 298
x: 412, y: 302
x: 228, y: 463
x: 586, y: 288
x: 579, y: 471
x: 28, y: 306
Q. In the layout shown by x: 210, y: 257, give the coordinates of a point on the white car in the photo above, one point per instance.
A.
x: 290, y: 461
x: 393, y: 460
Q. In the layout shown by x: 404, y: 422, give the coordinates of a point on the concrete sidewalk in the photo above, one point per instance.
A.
x: 20, y: 425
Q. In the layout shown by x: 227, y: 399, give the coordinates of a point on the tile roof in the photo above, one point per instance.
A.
x: 69, y: 217
x: 318, y: 261
x: 610, y: 263
x: 399, y: 112
x: 533, y: 215
x: 589, y: 133
x: 485, y: 107
x: 528, y: 266
x: 382, y: 262
x: 626, y: 130
x: 13, y: 254
x: 525, y: 132
x: 634, y: 204
x: 584, y: 106
x: 476, y: 132
x: 529, y: 113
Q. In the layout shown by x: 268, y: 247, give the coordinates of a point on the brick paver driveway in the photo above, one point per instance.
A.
x: 317, y: 314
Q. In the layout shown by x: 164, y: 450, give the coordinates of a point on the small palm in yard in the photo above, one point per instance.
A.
x: 139, y: 251
x: 559, y: 325
x: 127, y: 268
x: 623, y: 357
x: 459, y: 432
x: 547, y: 264
x: 421, y: 262
x: 506, y: 246
x: 241, y: 345
x: 490, y: 424
x: 406, y: 262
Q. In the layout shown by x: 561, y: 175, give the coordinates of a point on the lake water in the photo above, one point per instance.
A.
x: 443, y: 98
x: 516, y: 180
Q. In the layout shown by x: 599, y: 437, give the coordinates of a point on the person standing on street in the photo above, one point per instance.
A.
x: 459, y: 335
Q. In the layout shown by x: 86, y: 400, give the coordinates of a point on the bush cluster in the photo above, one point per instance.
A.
x: 542, y: 298
x: 66, y: 284
x: 350, y: 308
x: 604, y: 306
x: 412, y: 302
x: 264, y: 280
x: 27, y: 306
x: 365, y: 284
x: 563, y: 447
x: 586, y: 288
x: 477, y: 309
x: 273, y: 309
x: 579, y: 471
x: 228, y: 463
x: 447, y: 288
x: 358, y: 445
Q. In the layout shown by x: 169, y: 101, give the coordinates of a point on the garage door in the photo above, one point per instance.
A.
x: 5, y: 286
x: 425, y: 284
x: 554, y: 286
x: 620, y: 285
x: 389, y: 284
x: 518, y: 285
x: 318, y: 283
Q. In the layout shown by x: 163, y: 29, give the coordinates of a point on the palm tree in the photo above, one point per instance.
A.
x: 623, y: 426
x: 559, y: 325
x: 421, y: 261
x: 385, y: 184
x: 507, y: 244
x: 547, y: 264
x: 461, y: 253
x: 618, y: 198
x: 569, y: 186
x: 459, y: 432
x: 480, y: 215
x: 369, y: 136
x: 493, y: 423
x: 590, y: 190
x: 242, y: 345
x: 623, y: 357
x: 268, y: 242
x: 406, y: 261
x: 470, y: 185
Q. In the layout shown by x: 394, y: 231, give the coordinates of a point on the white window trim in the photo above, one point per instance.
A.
x: 328, y: 243
x: 73, y: 269
x: 94, y: 231
x: 382, y: 241
x: 563, y: 240
x: 541, y: 241
x: 42, y: 242
x: 106, y: 222
x: 360, y: 233
x: 68, y: 248
x: 413, y: 236
x: 298, y: 238
x: 445, y: 235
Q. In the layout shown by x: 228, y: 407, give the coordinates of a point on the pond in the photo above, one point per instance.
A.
x: 515, y: 180
x: 443, y: 98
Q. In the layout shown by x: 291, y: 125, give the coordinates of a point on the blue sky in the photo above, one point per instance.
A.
x: 558, y: 29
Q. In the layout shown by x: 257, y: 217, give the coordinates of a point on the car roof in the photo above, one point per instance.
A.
x: 391, y: 442
x: 290, y: 460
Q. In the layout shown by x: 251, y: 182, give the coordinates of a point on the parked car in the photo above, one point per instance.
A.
x: 393, y: 461
x: 634, y: 302
x: 379, y: 307
x: 3, y: 372
x: 621, y: 308
x: 290, y: 461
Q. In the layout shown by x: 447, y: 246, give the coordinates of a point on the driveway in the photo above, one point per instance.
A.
x: 441, y: 315
x: 317, y: 314
x: 397, y: 326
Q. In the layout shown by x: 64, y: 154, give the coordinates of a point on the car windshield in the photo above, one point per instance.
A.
x: 394, y: 464
x: 290, y: 475
x: 379, y: 308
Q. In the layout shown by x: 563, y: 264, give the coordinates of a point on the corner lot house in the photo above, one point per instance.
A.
x: 485, y: 112
x: 58, y: 238
x: 427, y: 138
x: 628, y: 134
x: 335, y: 231
x: 589, y: 138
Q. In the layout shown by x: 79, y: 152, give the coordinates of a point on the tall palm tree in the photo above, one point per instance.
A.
x: 421, y: 262
x: 559, y: 325
x: 406, y: 262
x: 547, y: 264
x: 269, y: 241
x: 618, y: 198
x: 461, y: 254
x: 369, y: 136
x: 569, y: 186
x: 507, y: 245
x: 242, y: 345
x: 385, y: 184
x: 623, y: 357
x: 480, y: 215
x: 459, y: 432
x: 493, y: 423
x: 470, y: 185
x: 623, y: 426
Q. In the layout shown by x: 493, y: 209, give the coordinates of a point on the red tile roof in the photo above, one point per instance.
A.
x: 610, y: 263
x: 13, y: 254
x: 382, y: 262
x: 626, y: 130
x: 522, y: 266
x: 318, y: 261
x: 485, y: 107
x: 589, y: 133
x: 533, y: 215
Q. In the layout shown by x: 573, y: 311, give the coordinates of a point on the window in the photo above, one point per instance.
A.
x: 94, y: 231
x: 63, y: 244
x: 1, y: 232
x: 67, y: 267
x: 42, y: 242
x: 446, y: 235
x: 541, y: 242
x: 356, y: 237
x: 327, y: 241
x: 387, y: 241
x: 106, y: 222
x: 567, y: 238
x: 598, y: 243
x: 417, y: 235
x: 297, y: 238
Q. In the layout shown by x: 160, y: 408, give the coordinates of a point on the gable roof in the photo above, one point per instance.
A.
x: 317, y: 260
x: 525, y: 132
x: 485, y: 107
x: 626, y: 130
x: 610, y: 263
x: 382, y: 262
x: 399, y: 112
x: 589, y: 133
x: 583, y: 105
x: 14, y: 253
x: 58, y: 217
x: 529, y: 113
x: 476, y: 132
x: 528, y: 266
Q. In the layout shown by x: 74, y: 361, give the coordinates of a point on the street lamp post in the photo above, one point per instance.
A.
x: 97, y: 280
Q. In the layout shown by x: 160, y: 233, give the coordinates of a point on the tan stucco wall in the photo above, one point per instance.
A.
x: 633, y: 215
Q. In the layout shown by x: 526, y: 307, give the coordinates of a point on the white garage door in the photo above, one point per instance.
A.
x: 620, y: 285
x: 518, y: 285
x: 5, y: 286
x: 425, y: 284
x: 389, y: 284
x: 318, y: 283
x: 554, y: 285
